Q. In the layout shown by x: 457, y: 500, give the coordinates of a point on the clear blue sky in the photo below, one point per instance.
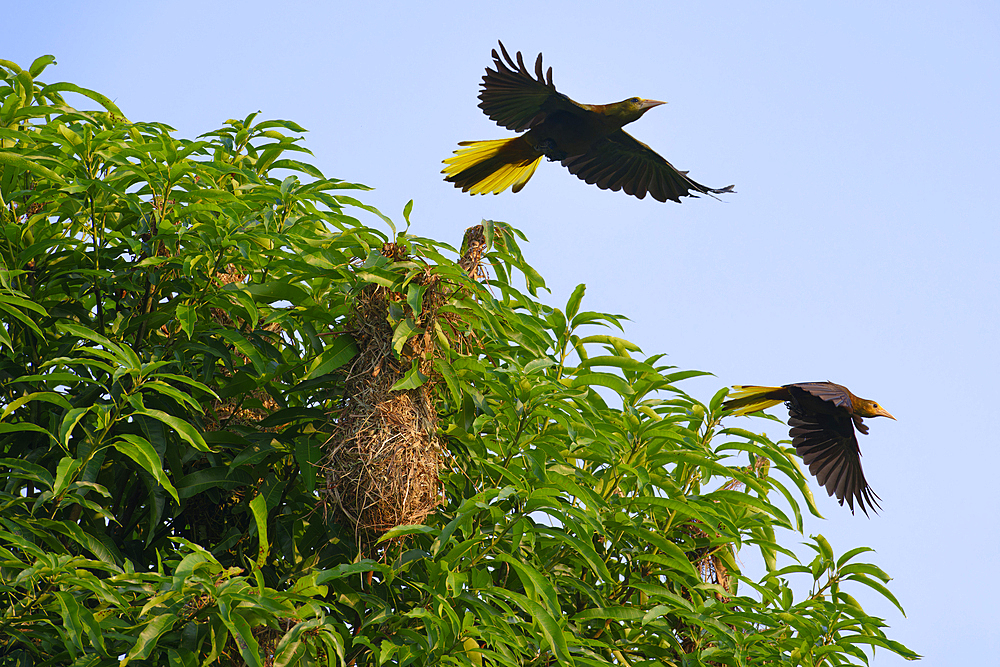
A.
x: 861, y: 246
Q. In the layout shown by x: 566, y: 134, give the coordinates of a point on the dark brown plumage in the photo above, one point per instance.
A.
x: 822, y: 417
x: 586, y: 138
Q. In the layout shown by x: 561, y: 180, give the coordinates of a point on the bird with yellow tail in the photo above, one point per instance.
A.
x: 822, y: 417
x: 586, y: 138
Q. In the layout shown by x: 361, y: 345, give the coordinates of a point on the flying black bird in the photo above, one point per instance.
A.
x: 586, y: 138
x: 822, y: 417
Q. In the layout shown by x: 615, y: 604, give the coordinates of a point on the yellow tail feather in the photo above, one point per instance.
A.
x: 492, y: 166
x: 749, y: 398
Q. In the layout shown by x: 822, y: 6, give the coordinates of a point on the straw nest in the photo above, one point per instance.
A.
x: 383, y: 457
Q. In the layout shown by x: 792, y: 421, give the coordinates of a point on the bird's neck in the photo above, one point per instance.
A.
x: 617, y: 114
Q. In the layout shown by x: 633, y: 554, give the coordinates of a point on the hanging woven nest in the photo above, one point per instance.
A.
x: 383, y: 457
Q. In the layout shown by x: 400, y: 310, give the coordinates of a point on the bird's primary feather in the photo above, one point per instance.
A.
x: 514, y: 99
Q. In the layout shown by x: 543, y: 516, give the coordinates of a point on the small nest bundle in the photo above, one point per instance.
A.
x: 237, y: 410
x: 473, y: 249
x: 709, y: 566
x: 383, y: 457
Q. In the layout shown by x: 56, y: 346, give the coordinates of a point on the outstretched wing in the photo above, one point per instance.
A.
x: 515, y: 99
x: 829, y: 392
x: 828, y: 445
x: 622, y: 162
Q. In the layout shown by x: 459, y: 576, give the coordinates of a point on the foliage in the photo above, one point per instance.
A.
x: 172, y: 356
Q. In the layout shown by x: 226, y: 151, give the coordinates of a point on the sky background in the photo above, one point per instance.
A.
x: 860, y: 246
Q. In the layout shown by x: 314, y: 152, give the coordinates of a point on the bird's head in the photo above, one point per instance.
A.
x: 866, y: 408
x: 633, y: 108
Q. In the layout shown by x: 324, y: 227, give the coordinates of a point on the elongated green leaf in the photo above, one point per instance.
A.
x: 851, y: 554
x: 399, y: 531
x: 534, y: 581
x: 150, y: 635
x: 412, y: 379
x: 65, y: 473
x: 20, y: 162
x: 608, y: 380
x: 13, y: 305
x: 139, y: 450
x: 624, y: 614
x: 244, y: 347
x: 48, y: 396
x: 209, y: 478
x: 582, y: 548
x: 236, y: 623
x: 402, y: 333
x: 69, y: 422
x: 573, y: 305
x: 187, y: 432
x: 259, y: 508
x: 335, y: 355
x: 546, y: 623
x: 187, y: 315
x: 876, y: 586
x: 615, y: 361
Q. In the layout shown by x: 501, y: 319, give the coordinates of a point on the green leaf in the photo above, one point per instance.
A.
x: 534, y: 582
x: 40, y: 63
x: 613, y: 382
x: 69, y: 422
x: 139, y: 450
x: 259, y: 508
x: 622, y: 614
x: 186, y: 432
x: 30, y: 471
x: 65, y: 474
x: 334, y: 355
x: 851, y: 554
x: 406, y: 212
x: 47, y: 396
x: 582, y: 548
x: 415, y: 297
x: 614, y: 342
x: 402, y: 333
x: 412, y: 379
x: 24, y: 164
x: 450, y: 379
x: 876, y: 586
x: 548, y: 625
x: 150, y: 635
x: 244, y: 347
x: 348, y: 569
x: 625, y: 363
x: 69, y: 610
x: 22, y: 426
x: 399, y: 531
x: 187, y: 315
x: 573, y: 305
x: 210, y: 478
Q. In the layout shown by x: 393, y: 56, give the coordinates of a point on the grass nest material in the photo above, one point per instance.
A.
x: 383, y: 457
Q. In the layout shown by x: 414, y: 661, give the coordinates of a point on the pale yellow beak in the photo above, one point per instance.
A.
x: 885, y: 413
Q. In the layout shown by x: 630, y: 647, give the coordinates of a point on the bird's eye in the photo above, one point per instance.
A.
x: 634, y: 100
x: 875, y: 405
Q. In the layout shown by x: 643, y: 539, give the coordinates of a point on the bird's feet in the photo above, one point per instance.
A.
x: 549, y: 149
